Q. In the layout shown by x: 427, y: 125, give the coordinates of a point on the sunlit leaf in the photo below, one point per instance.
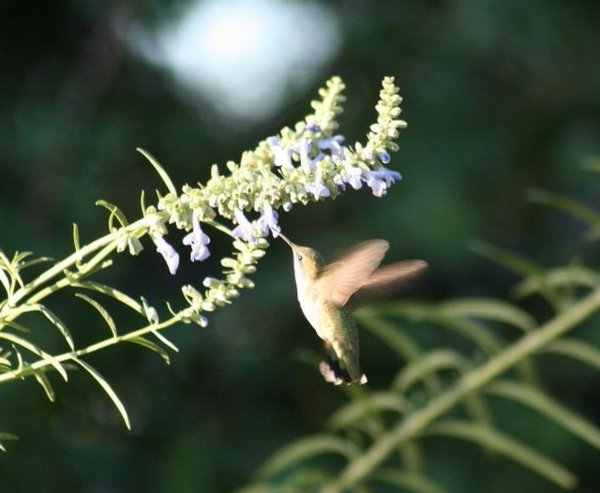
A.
x: 508, y: 446
x: 107, y: 388
x: 545, y: 405
x: 114, y: 212
x: 113, y: 293
x: 59, y: 324
x: 305, y: 449
x: 42, y: 379
x: 165, y: 341
x: 51, y: 360
x: 102, y: 311
x: 159, y: 169
x: 408, y: 481
x: 142, y: 341
x: 4, y: 437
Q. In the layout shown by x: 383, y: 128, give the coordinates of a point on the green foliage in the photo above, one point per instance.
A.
x: 453, y: 392
x: 301, y: 165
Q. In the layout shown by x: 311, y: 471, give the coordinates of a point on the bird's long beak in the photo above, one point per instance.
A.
x: 285, y: 238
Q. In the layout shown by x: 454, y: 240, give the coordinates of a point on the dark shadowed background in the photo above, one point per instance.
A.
x: 499, y: 96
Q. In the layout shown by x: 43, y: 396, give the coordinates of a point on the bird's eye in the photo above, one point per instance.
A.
x: 299, y: 257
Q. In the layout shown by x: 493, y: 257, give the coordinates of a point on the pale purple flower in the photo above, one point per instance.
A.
x: 287, y: 206
x: 268, y: 222
x: 305, y: 162
x: 198, y: 241
x: 353, y: 175
x: 333, y: 145
x: 312, y: 127
x: 281, y: 157
x: 244, y: 229
x: 169, y: 254
x: 384, y: 157
x: 317, y: 189
x: 381, y: 179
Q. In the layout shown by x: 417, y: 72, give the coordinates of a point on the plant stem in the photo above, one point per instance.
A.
x: 366, y: 463
x: 42, y: 363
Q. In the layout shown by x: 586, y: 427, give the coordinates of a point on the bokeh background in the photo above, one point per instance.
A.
x: 500, y: 97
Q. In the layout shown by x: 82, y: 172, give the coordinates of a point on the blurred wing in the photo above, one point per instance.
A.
x: 391, y: 275
x: 385, y: 280
x: 343, y: 278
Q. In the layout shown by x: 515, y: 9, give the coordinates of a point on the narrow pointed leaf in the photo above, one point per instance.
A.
x: 488, y: 309
x: 114, y: 212
x: 160, y: 170
x: 42, y: 379
x: 566, y: 204
x: 36, y: 350
x: 389, y: 333
x: 429, y: 363
x: 585, y: 353
x: 552, y: 409
x: 408, y: 481
x: 142, y: 341
x: 375, y: 403
x: 59, y: 324
x: 571, y: 276
x: 4, y: 437
x: 102, y: 311
x: 107, y: 388
x: 165, y: 341
x: 113, y: 293
x: 306, y: 449
x: 508, y: 446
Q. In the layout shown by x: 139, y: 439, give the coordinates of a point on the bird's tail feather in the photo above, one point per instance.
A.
x: 335, y: 370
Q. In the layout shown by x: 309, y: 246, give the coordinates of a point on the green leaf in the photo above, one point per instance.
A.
x: 570, y: 206
x: 408, y: 481
x: 488, y: 309
x: 102, y: 311
x: 160, y: 170
x: 505, y: 445
x: 42, y: 379
x: 389, y: 333
x: 429, y: 363
x: 51, y: 360
x: 142, y: 341
x: 6, y: 437
x: 374, y: 403
x: 305, y: 449
x: 58, y: 323
x: 520, y: 265
x: 165, y: 341
x: 545, y: 405
x: 113, y: 293
x: 570, y: 276
x: 106, y: 387
x: 114, y: 212
x: 578, y: 350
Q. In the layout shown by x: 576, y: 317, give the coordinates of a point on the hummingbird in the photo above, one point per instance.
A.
x: 325, y: 290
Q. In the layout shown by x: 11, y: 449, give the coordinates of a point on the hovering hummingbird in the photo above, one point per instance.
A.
x: 324, y: 290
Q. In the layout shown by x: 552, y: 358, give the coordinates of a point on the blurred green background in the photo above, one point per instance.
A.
x: 500, y: 96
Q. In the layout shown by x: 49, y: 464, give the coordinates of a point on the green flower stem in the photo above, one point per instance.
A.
x: 72, y: 355
x: 365, y: 464
x: 108, y: 242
